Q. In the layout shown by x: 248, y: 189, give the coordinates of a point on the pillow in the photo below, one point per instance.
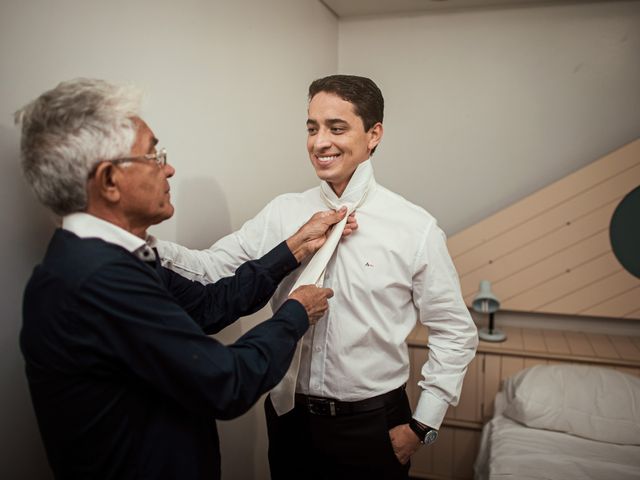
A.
x: 590, y: 402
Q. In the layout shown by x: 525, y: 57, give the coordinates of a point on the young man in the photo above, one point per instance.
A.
x: 125, y: 381
x: 352, y: 418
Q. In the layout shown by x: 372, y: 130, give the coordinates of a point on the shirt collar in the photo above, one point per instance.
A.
x: 355, y: 193
x: 85, y: 225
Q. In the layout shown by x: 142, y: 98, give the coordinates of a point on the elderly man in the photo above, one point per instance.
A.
x: 125, y: 381
x: 350, y: 416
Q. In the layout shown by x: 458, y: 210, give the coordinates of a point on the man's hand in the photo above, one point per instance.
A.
x: 312, y: 235
x: 351, y: 226
x: 313, y: 299
x: 405, y: 443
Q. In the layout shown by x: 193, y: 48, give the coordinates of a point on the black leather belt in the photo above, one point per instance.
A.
x: 331, y: 407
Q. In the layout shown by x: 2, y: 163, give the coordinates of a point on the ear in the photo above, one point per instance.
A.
x: 105, y: 183
x: 375, y: 135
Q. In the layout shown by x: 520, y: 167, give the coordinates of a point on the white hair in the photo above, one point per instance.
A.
x: 67, y: 131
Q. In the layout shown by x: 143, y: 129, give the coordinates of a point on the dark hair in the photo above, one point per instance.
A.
x: 362, y: 92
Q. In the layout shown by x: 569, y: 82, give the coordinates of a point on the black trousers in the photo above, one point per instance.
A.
x: 322, y: 447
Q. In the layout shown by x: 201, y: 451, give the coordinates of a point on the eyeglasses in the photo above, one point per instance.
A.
x: 160, y: 157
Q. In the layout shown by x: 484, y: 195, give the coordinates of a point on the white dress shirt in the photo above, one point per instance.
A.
x: 85, y: 225
x: 392, y: 271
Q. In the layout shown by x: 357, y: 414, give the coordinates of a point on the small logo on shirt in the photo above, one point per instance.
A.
x: 368, y: 264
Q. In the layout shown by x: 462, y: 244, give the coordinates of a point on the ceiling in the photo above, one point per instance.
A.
x: 358, y: 8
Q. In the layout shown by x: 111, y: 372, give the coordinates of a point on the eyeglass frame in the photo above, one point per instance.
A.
x: 160, y: 158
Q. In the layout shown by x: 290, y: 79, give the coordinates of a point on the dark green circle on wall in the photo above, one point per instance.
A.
x: 624, y: 232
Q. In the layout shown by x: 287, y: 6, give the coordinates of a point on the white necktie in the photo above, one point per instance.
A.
x: 283, y: 394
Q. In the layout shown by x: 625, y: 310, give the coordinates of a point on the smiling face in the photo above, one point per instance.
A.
x: 337, y: 141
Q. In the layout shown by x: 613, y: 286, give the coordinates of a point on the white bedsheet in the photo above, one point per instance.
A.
x: 511, y: 450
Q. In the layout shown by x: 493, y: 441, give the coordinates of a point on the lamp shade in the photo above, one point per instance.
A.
x: 485, y: 301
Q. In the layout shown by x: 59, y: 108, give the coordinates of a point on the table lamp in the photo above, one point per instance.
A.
x: 486, y: 302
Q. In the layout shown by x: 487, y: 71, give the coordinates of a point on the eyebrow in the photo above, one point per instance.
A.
x: 329, y: 121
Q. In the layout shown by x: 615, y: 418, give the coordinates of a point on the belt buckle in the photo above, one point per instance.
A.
x: 322, y: 406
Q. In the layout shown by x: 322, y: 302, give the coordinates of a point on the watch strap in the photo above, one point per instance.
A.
x: 425, y: 434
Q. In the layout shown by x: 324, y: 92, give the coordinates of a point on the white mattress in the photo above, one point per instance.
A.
x: 511, y: 450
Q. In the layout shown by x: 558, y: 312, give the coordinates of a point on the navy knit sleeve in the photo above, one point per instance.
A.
x: 133, y: 321
x: 217, y: 305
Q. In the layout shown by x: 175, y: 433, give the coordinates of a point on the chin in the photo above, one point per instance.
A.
x: 166, y: 214
x: 323, y: 173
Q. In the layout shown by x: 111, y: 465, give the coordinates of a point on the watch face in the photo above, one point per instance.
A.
x: 430, y: 437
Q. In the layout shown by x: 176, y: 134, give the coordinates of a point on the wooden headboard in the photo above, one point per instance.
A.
x: 550, y: 252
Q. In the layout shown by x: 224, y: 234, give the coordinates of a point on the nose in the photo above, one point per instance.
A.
x: 169, y: 171
x: 322, y: 140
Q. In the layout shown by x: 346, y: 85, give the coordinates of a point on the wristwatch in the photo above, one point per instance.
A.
x: 427, y: 435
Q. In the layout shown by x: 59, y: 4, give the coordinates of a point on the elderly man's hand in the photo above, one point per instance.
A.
x: 313, y: 299
x: 312, y: 235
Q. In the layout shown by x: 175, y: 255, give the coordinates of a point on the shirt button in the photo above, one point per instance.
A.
x: 316, y: 386
x: 318, y: 349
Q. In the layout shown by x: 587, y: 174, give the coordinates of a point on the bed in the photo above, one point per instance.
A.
x: 563, y: 422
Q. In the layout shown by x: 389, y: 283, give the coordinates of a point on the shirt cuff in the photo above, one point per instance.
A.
x: 279, y: 261
x: 430, y: 410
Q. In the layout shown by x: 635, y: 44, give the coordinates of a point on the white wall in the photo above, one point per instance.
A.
x: 226, y: 94
x: 484, y: 107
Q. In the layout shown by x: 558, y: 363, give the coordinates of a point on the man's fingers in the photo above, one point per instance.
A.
x: 330, y: 217
x: 337, y: 215
x: 328, y: 292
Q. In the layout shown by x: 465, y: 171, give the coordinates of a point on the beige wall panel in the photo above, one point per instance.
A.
x: 579, y: 344
x: 556, y: 342
x: 419, y: 335
x: 443, y: 450
x: 528, y: 271
x: 557, y: 362
x: 514, y: 339
x: 617, y: 161
x: 610, y: 285
x: 492, y: 380
x: 547, y: 247
x: 542, y: 251
x: 626, y: 348
x: 468, y: 408
x: 466, y: 443
x: 532, y: 362
x: 562, y: 262
x: 618, y: 306
x: 510, y: 366
x: 565, y: 279
x: 633, y: 314
x: 594, y: 205
x: 534, y: 341
x: 603, y: 346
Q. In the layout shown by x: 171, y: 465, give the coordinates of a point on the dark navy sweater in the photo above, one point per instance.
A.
x: 125, y: 382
